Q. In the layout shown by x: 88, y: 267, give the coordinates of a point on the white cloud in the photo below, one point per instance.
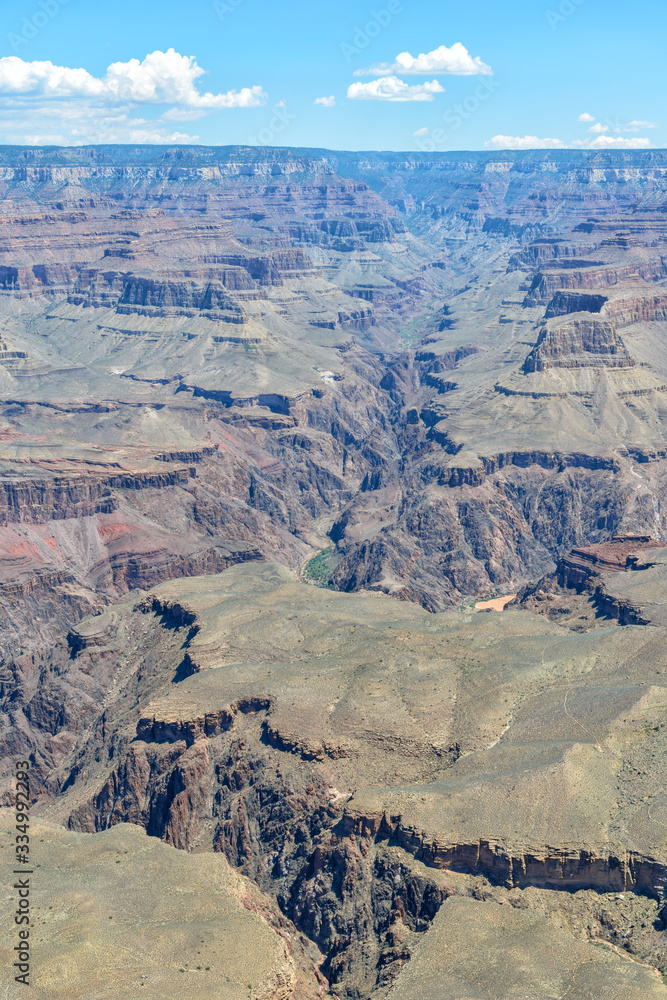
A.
x: 523, y: 142
x: 93, y: 137
x: 183, y: 114
x: 326, y: 102
x: 455, y: 60
x: 80, y: 122
x: 158, y: 137
x: 280, y: 104
x: 421, y: 131
x: 390, y: 88
x: 634, y: 126
x: 613, y: 142
x: 46, y: 80
x: 161, y: 78
x: 533, y: 142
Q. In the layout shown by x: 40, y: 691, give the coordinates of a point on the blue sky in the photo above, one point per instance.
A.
x: 520, y: 74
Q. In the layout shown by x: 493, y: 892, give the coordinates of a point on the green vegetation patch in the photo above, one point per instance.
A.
x: 318, y: 569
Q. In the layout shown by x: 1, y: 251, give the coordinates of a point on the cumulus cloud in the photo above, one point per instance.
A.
x: 97, y: 134
x: 421, y: 131
x: 455, y: 60
x: 92, y: 109
x: 390, y: 88
x: 326, y: 102
x: 523, y: 142
x: 533, y: 142
x: 613, y: 142
x: 81, y: 122
x: 183, y: 114
x: 158, y: 137
x: 634, y: 126
x: 160, y: 78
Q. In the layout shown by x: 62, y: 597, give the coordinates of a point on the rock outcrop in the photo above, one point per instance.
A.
x: 578, y: 343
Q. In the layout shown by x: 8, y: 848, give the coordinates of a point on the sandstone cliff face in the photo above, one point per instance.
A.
x: 140, y: 290
x: 550, y: 868
x: 36, y: 502
x: 648, y: 308
x: 38, y: 279
x: 583, y: 564
x: 547, y: 284
x: 624, y: 310
x: 580, y: 343
x: 544, y: 251
x: 575, y: 301
x: 192, y: 289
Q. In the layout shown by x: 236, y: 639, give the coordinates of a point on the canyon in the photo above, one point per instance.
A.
x: 272, y: 422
